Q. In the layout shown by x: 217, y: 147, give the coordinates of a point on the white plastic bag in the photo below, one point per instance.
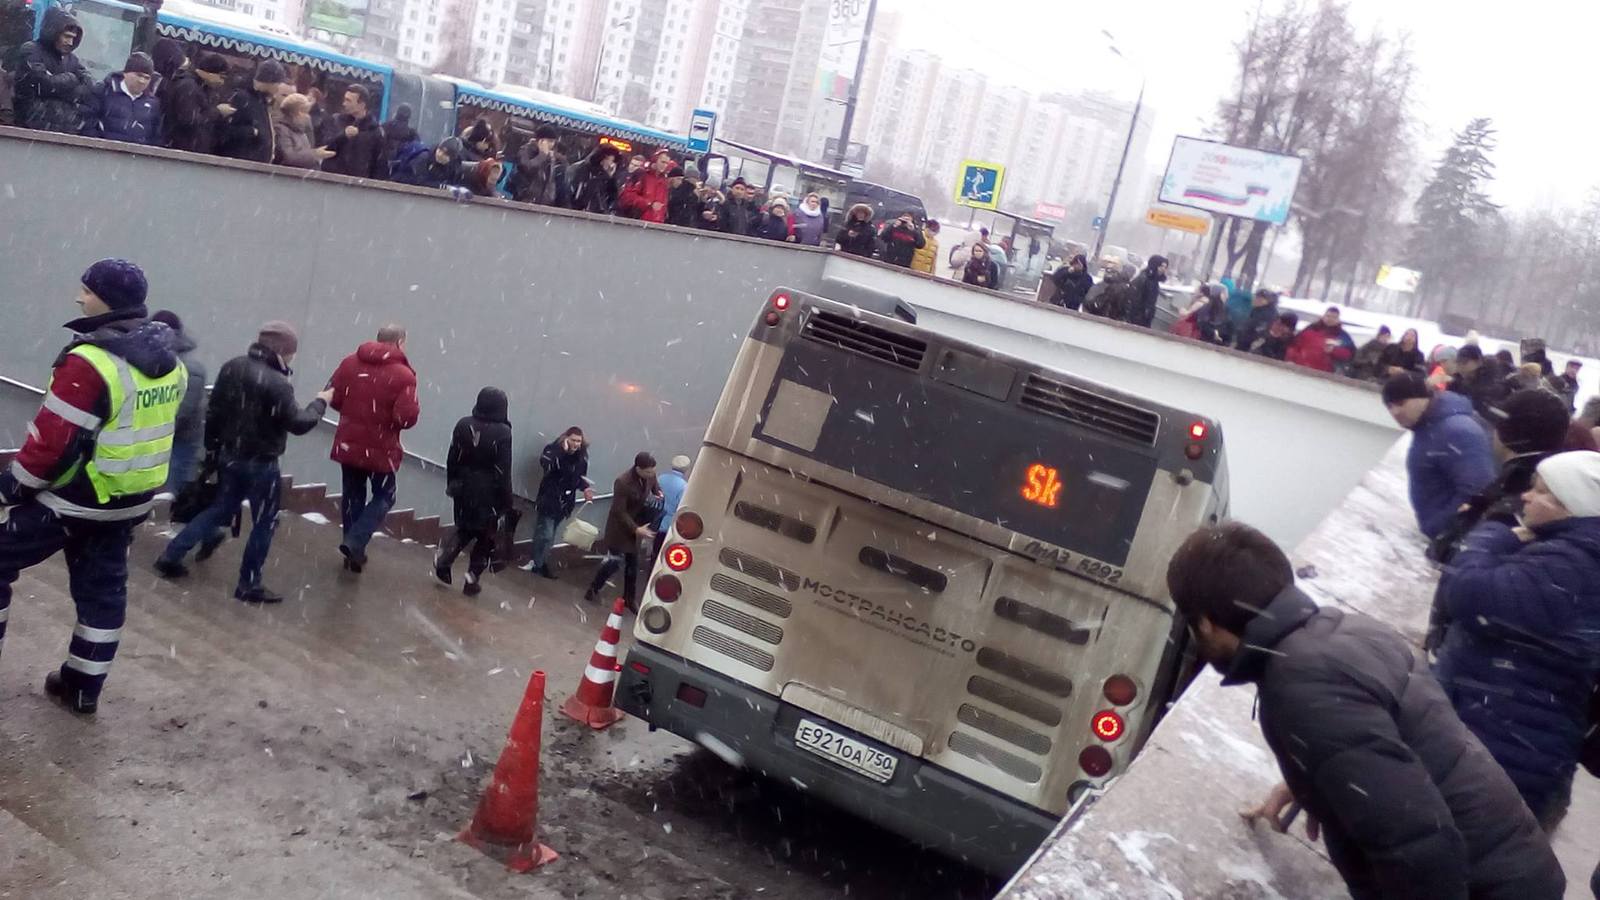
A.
x: 578, y: 533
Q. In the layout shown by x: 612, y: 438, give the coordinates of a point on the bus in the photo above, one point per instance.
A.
x: 772, y: 173
x: 921, y: 579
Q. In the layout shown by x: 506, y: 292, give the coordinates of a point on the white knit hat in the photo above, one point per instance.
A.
x: 1574, y: 479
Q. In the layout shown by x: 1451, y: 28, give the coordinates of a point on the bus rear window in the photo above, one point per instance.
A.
x: 1037, y: 475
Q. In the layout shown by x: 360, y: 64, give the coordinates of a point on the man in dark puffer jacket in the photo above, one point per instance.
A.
x: 1521, y: 656
x: 51, y: 83
x: 1410, y: 803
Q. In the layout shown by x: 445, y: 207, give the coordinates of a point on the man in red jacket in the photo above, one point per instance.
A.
x: 647, y: 192
x: 1324, y: 345
x: 375, y: 395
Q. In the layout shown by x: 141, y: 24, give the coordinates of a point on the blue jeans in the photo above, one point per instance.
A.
x: 97, y: 576
x: 253, y: 480
x: 361, y: 518
x: 183, y: 465
x: 544, y: 537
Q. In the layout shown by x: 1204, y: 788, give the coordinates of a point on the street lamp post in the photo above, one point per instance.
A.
x: 855, y: 88
x: 1127, y: 145
x: 605, y: 44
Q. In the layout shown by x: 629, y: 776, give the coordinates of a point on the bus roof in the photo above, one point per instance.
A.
x: 231, y: 31
x: 572, y: 118
x: 774, y: 155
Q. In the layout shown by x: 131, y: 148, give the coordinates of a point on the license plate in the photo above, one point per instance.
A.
x: 843, y: 751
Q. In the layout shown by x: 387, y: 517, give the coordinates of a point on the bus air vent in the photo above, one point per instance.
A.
x: 1090, y: 410
x: 1041, y: 620
x: 771, y: 520
x: 889, y: 564
x: 738, y: 590
x: 727, y: 646
x: 1026, y: 672
x: 756, y: 567
x: 742, y: 621
x: 1014, y: 700
x: 1009, y: 763
x: 865, y: 339
x: 1004, y: 729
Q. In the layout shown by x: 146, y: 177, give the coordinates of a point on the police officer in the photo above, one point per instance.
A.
x: 95, y: 456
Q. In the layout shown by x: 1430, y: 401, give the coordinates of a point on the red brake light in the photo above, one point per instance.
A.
x: 1096, y: 761
x: 691, y: 695
x: 1107, y: 725
x: 689, y: 525
x: 679, y: 557
x: 780, y: 302
x: 639, y: 667
x: 669, y: 588
x: 1198, y: 431
x: 1120, y: 690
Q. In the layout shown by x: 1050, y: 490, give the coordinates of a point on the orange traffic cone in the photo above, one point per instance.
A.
x: 591, y: 705
x: 508, y: 814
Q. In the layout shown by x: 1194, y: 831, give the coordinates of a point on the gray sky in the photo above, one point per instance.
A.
x: 1521, y: 66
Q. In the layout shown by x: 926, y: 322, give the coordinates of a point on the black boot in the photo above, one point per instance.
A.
x: 353, y: 560
x: 55, y: 684
x: 591, y: 595
x: 545, y: 571
x: 167, y: 568
x: 209, y: 546
x: 257, y: 594
x: 471, y: 588
x: 441, y: 572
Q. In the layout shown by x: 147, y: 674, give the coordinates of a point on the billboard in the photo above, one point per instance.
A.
x: 346, y: 17
x: 1049, y: 212
x: 1232, y: 181
x: 1399, y: 278
x: 978, y: 185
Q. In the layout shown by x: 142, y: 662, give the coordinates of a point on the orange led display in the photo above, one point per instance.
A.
x: 1042, y: 486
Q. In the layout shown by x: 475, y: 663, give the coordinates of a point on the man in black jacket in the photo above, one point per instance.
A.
x: 565, y: 462
x: 901, y: 240
x: 683, y: 199
x: 478, y: 479
x: 51, y: 83
x: 593, y: 181
x: 1263, y: 312
x: 539, y: 177
x: 359, y: 147
x: 251, y: 414
x: 245, y: 131
x: 1410, y: 803
x: 1479, y: 379
x: 1147, y: 292
x: 740, y: 214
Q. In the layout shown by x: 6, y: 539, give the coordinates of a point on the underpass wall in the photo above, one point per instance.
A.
x: 623, y: 329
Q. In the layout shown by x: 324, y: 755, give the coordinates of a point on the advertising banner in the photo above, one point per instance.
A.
x: 1397, y: 278
x: 347, y: 17
x: 1049, y: 212
x: 1233, y: 181
x: 1166, y: 218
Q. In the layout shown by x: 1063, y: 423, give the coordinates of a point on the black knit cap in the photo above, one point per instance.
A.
x: 1405, y: 386
x: 1532, y: 421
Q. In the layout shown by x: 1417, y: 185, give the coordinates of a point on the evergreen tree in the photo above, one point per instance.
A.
x: 1454, y: 215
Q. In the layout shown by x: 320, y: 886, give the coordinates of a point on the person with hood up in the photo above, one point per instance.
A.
x: 360, y: 148
x: 857, y: 236
x: 1147, y: 292
x: 1263, y: 313
x: 1111, y: 298
x: 740, y: 214
x: 90, y: 466
x: 901, y: 240
x: 540, y: 174
x: 1323, y: 345
x: 478, y: 480
x: 1240, y: 301
x: 565, y: 464
x: 439, y: 168
x: 189, y: 431
x: 51, y: 84
x: 1072, y: 283
x: 683, y: 199
x: 981, y: 270
x: 645, y: 196
x: 774, y: 223
x: 594, y: 181
x: 1407, y: 800
x: 246, y: 130
x: 1522, y: 654
x: 249, y: 418
x: 291, y: 132
x: 1366, y: 364
x: 375, y: 395
x: 810, y: 221
x: 398, y: 133
x: 124, y: 106
x: 479, y: 143
x: 1449, y: 460
x: 191, y: 97
x: 1404, y: 356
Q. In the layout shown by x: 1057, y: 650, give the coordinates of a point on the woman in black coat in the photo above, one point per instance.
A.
x: 857, y: 237
x: 981, y: 270
x: 1072, y: 283
x: 478, y: 479
x: 1405, y: 356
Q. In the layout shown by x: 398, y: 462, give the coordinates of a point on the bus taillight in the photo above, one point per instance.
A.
x: 780, y: 301
x: 679, y: 557
x: 656, y: 619
x: 1107, y: 725
x: 1198, y: 431
x: 1095, y: 761
x: 1120, y: 690
x: 668, y: 588
x: 689, y: 525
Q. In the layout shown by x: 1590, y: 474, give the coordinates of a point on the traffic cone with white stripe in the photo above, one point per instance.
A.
x: 591, y: 705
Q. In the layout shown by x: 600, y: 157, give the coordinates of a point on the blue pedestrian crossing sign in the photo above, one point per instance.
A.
x: 979, y: 184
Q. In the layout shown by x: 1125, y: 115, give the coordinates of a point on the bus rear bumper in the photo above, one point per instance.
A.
x: 924, y: 803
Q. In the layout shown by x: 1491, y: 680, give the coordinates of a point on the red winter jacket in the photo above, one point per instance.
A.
x: 1320, y: 347
x: 375, y: 394
x: 642, y: 190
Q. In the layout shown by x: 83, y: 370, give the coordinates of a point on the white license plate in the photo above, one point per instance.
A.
x: 843, y: 751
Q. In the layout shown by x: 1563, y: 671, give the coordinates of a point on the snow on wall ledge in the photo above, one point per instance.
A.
x: 1170, y: 827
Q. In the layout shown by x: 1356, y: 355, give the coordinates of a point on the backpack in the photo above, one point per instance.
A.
x: 405, y: 155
